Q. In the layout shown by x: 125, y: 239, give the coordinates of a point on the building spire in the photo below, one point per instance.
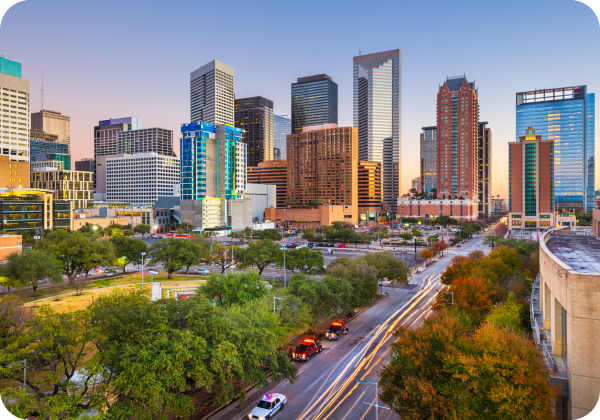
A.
x: 42, y: 90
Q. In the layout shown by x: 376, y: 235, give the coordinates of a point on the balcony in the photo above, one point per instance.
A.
x: 542, y: 336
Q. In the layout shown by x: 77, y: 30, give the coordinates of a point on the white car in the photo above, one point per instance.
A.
x: 202, y: 271
x: 268, y: 406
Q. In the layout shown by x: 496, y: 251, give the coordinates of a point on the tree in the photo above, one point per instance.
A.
x: 130, y: 248
x: 224, y: 256
x: 101, y: 253
x: 426, y: 254
x: 259, y: 254
x: 291, y: 202
x: 381, y: 233
x: 168, y: 253
x: 395, y: 270
x: 470, y: 296
x: 247, y: 232
x: 490, y: 240
x: 272, y: 234
x: 410, y: 220
x: 32, y: 267
x: 507, y: 316
x: 186, y: 227
x: 406, y: 236
x: 439, y: 247
x: 192, y: 252
x: 415, y: 232
x: 91, y: 229
x: 143, y: 229
x: 234, y: 288
x: 304, y: 260
x: 443, y: 371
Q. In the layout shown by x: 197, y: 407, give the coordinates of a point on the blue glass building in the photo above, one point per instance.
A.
x: 46, y: 147
x: 282, y: 126
x: 213, y: 161
x: 10, y: 67
x: 565, y: 115
x: 314, y: 102
x: 429, y: 159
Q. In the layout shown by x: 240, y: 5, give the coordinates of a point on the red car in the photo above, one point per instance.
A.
x: 341, y: 245
x: 307, y: 348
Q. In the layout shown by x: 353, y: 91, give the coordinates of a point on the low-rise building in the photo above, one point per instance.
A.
x: 33, y: 209
x: 262, y: 196
x: 74, y: 186
x: 310, y: 217
x: 128, y: 215
x: 458, y: 209
x: 565, y: 318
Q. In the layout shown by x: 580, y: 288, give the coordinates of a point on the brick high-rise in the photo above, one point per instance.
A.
x: 273, y: 172
x: 323, y: 165
x: 458, y: 144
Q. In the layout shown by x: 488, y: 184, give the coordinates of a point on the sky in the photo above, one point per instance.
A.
x: 123, y: 58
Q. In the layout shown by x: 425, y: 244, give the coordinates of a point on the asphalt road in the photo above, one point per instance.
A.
x: 326, y: 387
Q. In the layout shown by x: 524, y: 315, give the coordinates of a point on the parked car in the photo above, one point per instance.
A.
x: 336, y: 330
x: 309, y: 245
x: 291, y: 246
x: 321, y: 244
x: 341, y: 245
x: 202, y: 271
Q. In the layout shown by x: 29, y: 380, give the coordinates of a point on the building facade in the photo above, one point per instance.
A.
x: 370, y: 195
x: 429, y: 159
x: 14, y: 112
x: 458, y: 144
x: 13, y: 173
x: 106, y: 134
x: 465, y: 209
x: 314, y: 102
x: 46, y: 147
x: 531, y: 182
x: 323, y: 166
x: 484, y: 166
x: 57, y: 160
x: 255, y: 117
x: 271, y: 173
x: 33, y: 210
x: 213, y: 173
x: 567, y: 116
x: 309, y: 218
x: 377, y: 111
x: 36, y: 135
x: 262, y: 196
x: 282, y: 126
x: 73, y: 186
x: 140, y: 178
x: 85, y: 164
x: 146, y: 140
x: 415, y: 184
x: 211, y: 94
x: 53, y: 122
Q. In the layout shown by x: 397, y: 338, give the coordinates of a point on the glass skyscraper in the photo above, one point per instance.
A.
x: 377, y: 110
x: 10, y: 67
x: 314, y: 102
x: 429, y: 159
x: 255, y: 116
x: 565, y: 115
x: 282, y: 126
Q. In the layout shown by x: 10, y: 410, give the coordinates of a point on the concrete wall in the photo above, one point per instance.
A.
x: 263, y: 196
x: 579, y: 294
x: 312, y: 217
x: 241, y: 214
x: 10, y: 244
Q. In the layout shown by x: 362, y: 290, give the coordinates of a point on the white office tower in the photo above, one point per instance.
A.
x: 141, y: 178
x: 211, y: 94
x: 14, y: 111
x: 377, y: 111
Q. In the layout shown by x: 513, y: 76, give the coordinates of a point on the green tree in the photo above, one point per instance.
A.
x: 168, y: 253
x: 143, y: 229
x: 291, y: 202
x: 304, y: 260
x: 360, y: 276
x: 406, y: 236
x: 191, y: 253
x: 92, y: 229
x: 507, y: 316
x: 130, y: 248
x: 234, y: 288
x: 101, y: 253
x: 224, y: 256
x: 272, y: 234
x: 259, y: 254
x: 31, y: 267
x: 395, y: 270
x: 186, y: 227
x: 247, y: 232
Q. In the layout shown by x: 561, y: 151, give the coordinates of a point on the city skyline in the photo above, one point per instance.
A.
x: 77, y: 86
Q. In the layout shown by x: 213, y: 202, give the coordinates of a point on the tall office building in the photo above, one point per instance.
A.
x: 531, y: 182
x: 458, y: 144
x: 282, y: 126
x: 211, y: 94
x: 44, y: 147
x: 146, y: 140
x: 314, y: 102
x: 14, y: 111
x: 377, y: 110
x: 213, y: 176
x: 255, y: 117
x: 323, y: 165
x: 429, y: 159
x: 271, y: 173
x: 369, y: 190
x: 53, y: 122
x: 484, y: 166
x: 567, y: 116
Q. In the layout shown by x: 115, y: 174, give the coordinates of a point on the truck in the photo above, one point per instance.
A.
x: 307, y: 348
x: 336, y: 330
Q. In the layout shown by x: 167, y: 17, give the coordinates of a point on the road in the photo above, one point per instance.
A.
x: 326, y: 387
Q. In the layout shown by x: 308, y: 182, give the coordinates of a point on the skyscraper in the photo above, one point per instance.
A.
x: 377, y: 110
x: 531, y: 174
x: 53, y: 122
x: 458, y: 144
x: 565, y: 115
x: 314, y: 102
x: 282, y: 126
x: 429, y: 159
x: 15, y: 111
x: 484, y: 167
x: 146, y: 140
x: 211, y: 94
x: 255, y: 117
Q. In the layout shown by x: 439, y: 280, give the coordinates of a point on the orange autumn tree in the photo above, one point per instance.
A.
x: 444, y: 371
x: 471, y: 297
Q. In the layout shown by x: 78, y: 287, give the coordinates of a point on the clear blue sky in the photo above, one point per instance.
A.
x: 133, y: 58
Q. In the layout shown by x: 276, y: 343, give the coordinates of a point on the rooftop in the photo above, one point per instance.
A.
x: 581, y: 253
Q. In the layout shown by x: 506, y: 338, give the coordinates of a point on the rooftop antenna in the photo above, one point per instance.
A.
x: 42, y: 90
x: 359, y: 52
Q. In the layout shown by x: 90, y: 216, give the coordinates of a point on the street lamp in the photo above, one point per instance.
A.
x: 283, y: 248
x: 143, y: 258
x: 376, y: 405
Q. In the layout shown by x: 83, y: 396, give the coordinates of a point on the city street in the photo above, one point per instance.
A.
x: 326, y: 387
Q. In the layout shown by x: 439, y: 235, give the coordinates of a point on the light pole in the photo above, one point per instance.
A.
x: 143, y: 258
x: 155, y: 232
x: 376, y: 405
x: 283, y: 248
x: 124, y: 259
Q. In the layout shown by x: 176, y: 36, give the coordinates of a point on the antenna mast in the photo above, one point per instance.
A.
x: 42, y: 90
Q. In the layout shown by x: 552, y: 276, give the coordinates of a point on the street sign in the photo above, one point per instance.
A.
x: 282, y: 248
x: 365, y: 382
x: 154, y: 273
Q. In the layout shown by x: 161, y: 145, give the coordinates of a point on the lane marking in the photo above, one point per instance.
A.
x: 360, y: 325
x: 314, y: 383
x: 332, y: 348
